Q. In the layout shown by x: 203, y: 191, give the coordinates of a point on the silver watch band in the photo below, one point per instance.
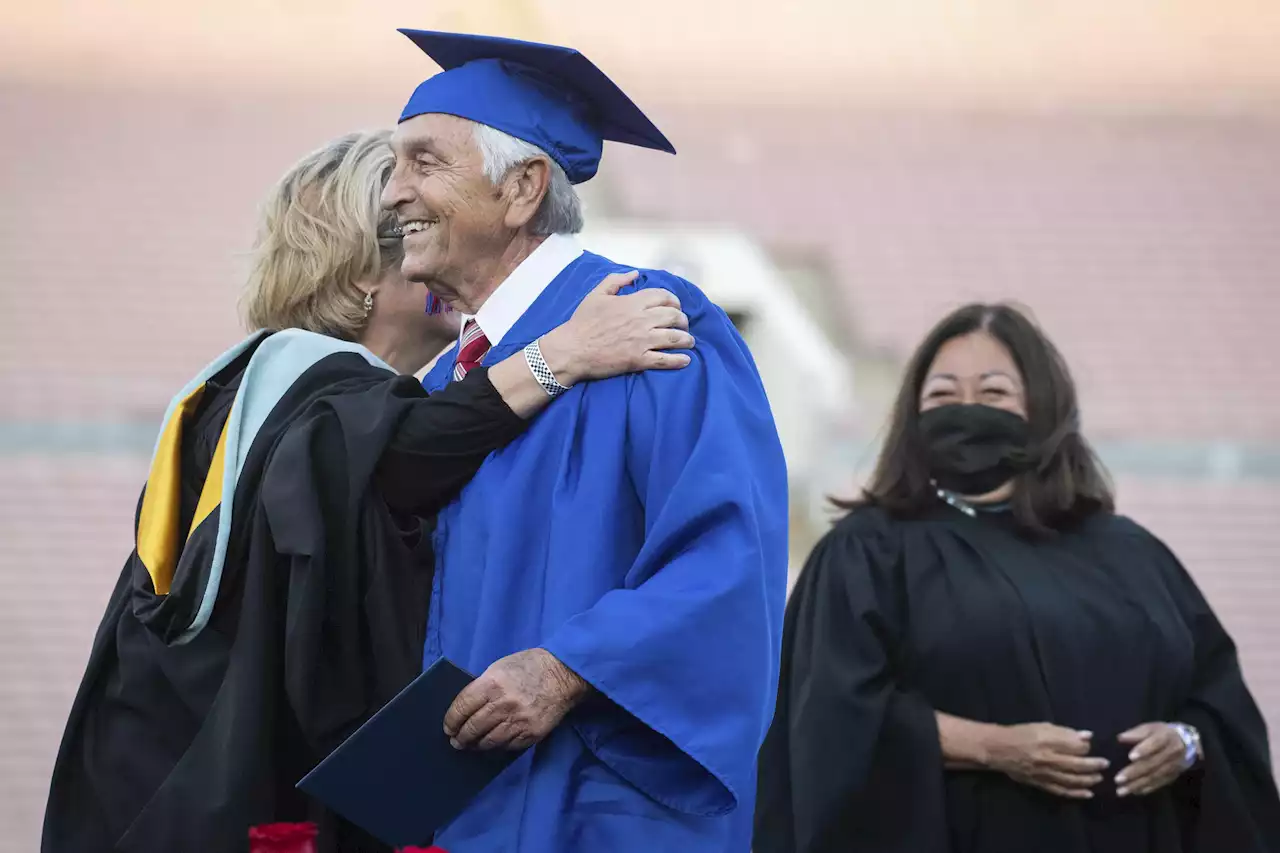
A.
x: 1190, y: 741
x: 542, y: 373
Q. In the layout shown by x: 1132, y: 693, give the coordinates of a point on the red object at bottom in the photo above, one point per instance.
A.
x: 283, y: 838
x: 300, y: 838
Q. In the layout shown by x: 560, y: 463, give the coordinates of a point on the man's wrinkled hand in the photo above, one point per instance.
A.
x: 515, y: 703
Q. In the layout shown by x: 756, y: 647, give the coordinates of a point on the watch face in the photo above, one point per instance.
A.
x: 1191, y: 737
x: 1190, y: 741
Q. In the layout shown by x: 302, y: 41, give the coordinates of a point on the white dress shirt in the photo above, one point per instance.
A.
x: 516, y: 295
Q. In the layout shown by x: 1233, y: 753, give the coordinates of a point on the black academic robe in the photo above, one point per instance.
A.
x: 180, y: 740
x: 1099, y: 629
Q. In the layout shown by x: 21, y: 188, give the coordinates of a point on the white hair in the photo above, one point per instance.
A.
x: 561, y: 209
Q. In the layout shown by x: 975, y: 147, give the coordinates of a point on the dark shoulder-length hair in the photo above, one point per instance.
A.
x: 1067, y: 484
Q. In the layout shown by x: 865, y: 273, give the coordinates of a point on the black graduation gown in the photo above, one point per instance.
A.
x: 319, y: 617
x: 1100, y: 630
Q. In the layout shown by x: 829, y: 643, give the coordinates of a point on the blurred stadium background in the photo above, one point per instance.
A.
x: 848, y: 171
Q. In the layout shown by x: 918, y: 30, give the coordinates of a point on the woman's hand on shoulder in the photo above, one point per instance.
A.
x: 1053, y: 758
x: 609, y: 335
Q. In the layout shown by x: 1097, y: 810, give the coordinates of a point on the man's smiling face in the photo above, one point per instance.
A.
x: 452, y: 215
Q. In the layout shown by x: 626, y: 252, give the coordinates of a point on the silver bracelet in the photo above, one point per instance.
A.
x: 542, y: 373
x: 1190, y: 742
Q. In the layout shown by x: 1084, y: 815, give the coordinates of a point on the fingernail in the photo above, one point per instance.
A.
x: 1085, y: 734
x: 453, y: 742
x: 1122, y: 792
x: 1121, y: 779
x: 1135, y: 755
x: 1088, y: 795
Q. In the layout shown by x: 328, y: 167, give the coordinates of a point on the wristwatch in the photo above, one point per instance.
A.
x: 542, y: 373
x: 1191, y: 741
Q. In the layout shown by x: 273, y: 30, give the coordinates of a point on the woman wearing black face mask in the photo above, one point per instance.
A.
x: 982, y: 657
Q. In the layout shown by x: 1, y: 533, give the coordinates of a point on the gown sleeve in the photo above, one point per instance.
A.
x: 365, y: 447
x: 684, y: 654
x: 852, y: 760
x: 442, y: 441
x: 1230, y: 801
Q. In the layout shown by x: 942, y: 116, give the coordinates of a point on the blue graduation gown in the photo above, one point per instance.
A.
x: 638, y: 532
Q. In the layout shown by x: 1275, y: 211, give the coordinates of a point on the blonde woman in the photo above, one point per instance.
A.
x: 275, y: 596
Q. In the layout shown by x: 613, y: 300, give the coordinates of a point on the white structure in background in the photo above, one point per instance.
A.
x: 809, y: 382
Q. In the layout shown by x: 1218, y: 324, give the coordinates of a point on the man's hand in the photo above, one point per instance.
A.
x: 515, y: 703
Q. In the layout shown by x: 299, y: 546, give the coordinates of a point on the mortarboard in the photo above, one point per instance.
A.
x: 549, y: 96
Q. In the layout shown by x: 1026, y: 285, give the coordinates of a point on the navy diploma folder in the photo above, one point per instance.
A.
x: 397, y: 777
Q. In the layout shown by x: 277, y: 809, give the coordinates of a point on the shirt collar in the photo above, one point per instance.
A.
x: 523, y: 286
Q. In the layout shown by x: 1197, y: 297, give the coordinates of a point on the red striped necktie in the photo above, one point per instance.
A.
x: 471, y: 348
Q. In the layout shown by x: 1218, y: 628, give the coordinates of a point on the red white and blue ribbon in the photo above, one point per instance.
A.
x: 436, y: 305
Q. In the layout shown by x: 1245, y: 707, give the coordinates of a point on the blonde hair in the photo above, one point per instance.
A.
x: 322, y: 231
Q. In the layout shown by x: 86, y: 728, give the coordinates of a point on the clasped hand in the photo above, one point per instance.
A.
x: 1058, y: 760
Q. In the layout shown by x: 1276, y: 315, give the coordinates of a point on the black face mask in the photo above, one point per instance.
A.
x: 974, y: 449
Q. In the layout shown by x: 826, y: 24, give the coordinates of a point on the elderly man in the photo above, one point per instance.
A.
x: 617, y: 574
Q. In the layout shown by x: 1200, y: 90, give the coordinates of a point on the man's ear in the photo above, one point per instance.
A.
x: 526, y: 187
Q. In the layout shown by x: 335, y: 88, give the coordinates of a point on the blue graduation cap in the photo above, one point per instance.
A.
x: 549, y: 96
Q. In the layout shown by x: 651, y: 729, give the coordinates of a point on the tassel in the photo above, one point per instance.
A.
x: 436, y: 305
x: 283, y: 838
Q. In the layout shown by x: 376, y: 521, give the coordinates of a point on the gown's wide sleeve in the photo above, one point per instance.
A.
x: 684, y: 656
x: 353, y: 461
x: 852, y: 761
x: 1230, y: 802
x: 442, y: 441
